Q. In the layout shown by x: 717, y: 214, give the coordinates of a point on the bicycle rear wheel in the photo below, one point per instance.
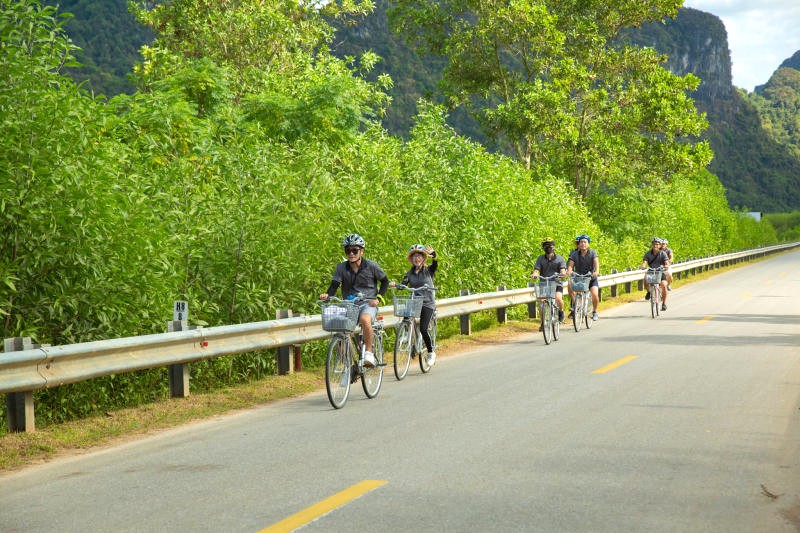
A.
x: 586, y: 316
x: 556, y: 322
x: 337, y: 371
x: 402, y: 349
x: 372, y: 377
x: 577, y: 314
x: 547, y: 317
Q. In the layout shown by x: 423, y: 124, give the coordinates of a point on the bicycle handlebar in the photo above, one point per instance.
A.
x: 359, y: 299
x: 551, y: 277
x: 412, y: 289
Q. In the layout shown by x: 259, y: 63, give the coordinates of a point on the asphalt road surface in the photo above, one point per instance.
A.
x: 690, y: 422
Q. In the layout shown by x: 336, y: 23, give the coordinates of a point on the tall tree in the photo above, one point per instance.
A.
x: 548, y: 79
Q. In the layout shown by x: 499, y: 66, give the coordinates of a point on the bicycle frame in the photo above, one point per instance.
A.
x: 408, y: 341
x: 580, y: 315
x: 548, y: 309
x: 655, y: 289
x: 343, y: 367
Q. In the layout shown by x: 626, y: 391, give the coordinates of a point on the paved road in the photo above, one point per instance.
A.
x: 696, y: 429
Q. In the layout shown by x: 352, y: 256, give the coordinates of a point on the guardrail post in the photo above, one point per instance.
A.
x: 285, y: 363
x: 532, y: 305
x: 614, y: 287
x: 179, y: 372
x: 628, y: 284
x: 19, y: 405
x: 466, y: 326
x: 298, y: 357
x: 501, y: 311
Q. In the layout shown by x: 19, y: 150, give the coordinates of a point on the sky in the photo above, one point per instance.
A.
x: 761, y: 35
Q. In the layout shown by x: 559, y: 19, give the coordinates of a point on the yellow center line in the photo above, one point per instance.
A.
x: 615, y: 364
x: 704, y: 319
x: 745, y: 295
x: 301, y: 518
x: 768, y: 282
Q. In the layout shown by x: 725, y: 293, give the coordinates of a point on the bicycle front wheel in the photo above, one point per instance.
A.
x: 654, y: 297
x: 547, y: 317
x: 577, y: 314
x: 556, y: 322
x: 371, y: 378
x: 337, y: 371
x: 402, y: 349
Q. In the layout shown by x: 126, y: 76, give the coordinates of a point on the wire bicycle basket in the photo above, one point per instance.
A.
x: 545, y: 289
x: 339, y: 316
x: 404, y: 307
x: 580, y: 283
x: 653, y: 277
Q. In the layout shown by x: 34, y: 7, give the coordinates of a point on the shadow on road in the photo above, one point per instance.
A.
x: 714, y: 340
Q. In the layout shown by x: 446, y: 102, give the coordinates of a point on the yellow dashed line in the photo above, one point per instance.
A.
x: 615, y: 364
x: 704, y: 319
x: 327, y: 505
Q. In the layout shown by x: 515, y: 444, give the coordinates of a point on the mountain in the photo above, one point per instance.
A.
x: 778, y: 105
x: 110, y: 38
x: 758, y: 172
x: 755, y: 165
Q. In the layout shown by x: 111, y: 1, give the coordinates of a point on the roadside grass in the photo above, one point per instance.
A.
x: 19, y: 450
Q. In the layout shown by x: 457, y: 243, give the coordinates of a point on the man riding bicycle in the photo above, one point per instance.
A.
x: 549, y: 264
x: 359, y: 275
x: 656, y: 258
x: 667, y: 250
x: 584, y: 261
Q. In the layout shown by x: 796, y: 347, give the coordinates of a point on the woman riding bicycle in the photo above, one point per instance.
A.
x: 548, y: 264
x: 417, y: 276
x: 360, y: 275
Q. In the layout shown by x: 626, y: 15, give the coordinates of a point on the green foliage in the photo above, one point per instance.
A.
x: 778, y: 105
x: 549, y: 80
x: 787, y: 225
x: 234, y: 195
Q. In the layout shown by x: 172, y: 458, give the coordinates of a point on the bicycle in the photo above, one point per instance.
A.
x: 652, y: 277
x: 342, y: 368
x: 580, y: 303
x: 408, y: 341
x: 548, y: 309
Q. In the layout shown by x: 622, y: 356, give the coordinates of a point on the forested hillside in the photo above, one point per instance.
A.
x: 229, y: 176
x: 752, y: 164
x: 757, y: 172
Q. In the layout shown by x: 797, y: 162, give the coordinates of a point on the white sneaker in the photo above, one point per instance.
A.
x: 431, y: 358
x: 369, y: 360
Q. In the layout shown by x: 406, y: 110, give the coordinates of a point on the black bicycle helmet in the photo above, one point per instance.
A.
x: 354, y: 239
x: 547, y: 243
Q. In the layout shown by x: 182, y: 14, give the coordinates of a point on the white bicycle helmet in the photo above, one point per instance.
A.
x: 354, y: 239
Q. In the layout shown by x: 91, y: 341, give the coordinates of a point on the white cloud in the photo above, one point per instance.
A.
x: 761, y: 35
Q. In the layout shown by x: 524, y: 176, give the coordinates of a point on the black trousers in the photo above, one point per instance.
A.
x: 424, y: 322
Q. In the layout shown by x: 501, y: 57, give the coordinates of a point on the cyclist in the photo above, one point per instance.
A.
x: 418, y: 275
x: 359, y: 275
x: 655, y: 258
x: 666, y: 249
x: 550, y: 263
x: 584, y: 260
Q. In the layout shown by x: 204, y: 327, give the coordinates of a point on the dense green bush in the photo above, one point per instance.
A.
x: 190, y: 190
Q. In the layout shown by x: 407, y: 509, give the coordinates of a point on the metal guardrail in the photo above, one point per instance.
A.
x: 51, y: 366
